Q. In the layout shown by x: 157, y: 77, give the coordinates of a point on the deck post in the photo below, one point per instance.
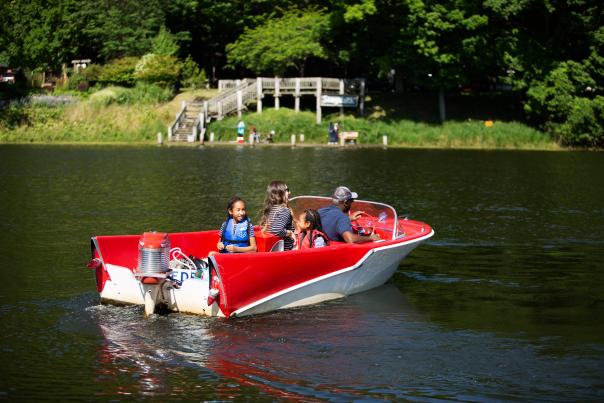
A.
x: 342, y: 93
x: 205, y: 108
x: 239, y: 103
x: 297, y: 96
x: 219, y: 105
x: 362, y: 97
x: 301, y: 138
x: 318, y: 96
x: 293, y: 139
x: 385, y: 140
x: 170, y: 133
x: 259, y: 95
x: 277, y: 93
x: 211, y: 137
x: 160, y: 138
x: 202, y: 127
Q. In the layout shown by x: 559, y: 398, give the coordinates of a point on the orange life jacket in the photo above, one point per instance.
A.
x: 305, y: 242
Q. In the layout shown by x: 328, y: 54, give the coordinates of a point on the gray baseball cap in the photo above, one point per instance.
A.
x: 342, y: 194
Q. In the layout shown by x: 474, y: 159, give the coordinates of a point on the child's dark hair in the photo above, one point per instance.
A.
x: 313, y: 217
x: 232, y: 202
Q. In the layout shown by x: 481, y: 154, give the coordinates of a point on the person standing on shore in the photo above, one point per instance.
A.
x: 240, y: 131
x: 331, y: 133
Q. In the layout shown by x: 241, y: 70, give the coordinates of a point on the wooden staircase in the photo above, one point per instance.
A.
x: 193, y: 118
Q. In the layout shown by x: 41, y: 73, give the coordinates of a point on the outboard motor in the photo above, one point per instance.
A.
x: 153, y: 254
x: 153, y: 266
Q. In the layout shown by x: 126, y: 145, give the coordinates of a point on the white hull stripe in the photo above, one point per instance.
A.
x: 326, y: 276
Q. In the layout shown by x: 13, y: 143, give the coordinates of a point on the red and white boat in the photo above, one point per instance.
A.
x: 152, y: 270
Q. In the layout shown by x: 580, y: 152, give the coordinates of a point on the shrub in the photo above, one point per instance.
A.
x: 119, y: 72
x: 566, y: 104
x: 107, y: 96
x: 164, y: 43
x: 141, y: 93
x: 159, y: 69
x: 192, y: 75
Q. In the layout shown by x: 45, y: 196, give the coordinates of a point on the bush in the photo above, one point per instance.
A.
x: 566, y: 104
x: 119, y: 72
x: 142, y: 93
x: 158, y: 69
x: 192, y: 75
x: 107, y: 96
x: 13, y: 115
x: 584, y: 124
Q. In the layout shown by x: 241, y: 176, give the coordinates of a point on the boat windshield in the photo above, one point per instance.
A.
x: 378, y: 216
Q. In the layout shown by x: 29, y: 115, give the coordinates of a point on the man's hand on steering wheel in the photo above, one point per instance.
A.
x: 355, y: 216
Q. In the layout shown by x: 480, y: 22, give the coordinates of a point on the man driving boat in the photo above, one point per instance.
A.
x: 335, y: 218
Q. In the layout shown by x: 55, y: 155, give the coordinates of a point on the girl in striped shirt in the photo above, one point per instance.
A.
x: 277, y: 216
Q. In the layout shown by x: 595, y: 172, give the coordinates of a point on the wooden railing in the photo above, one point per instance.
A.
x: 179, y: 118
x: 234, y: 95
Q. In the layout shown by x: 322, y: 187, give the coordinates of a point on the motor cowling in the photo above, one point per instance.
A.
x: 153, y: 254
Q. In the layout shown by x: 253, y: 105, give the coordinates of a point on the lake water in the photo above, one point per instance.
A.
x: 505, y: 302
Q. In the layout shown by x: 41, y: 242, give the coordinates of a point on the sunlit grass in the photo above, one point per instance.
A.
x: 95, y: 120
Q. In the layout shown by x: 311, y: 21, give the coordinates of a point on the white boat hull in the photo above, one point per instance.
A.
x: 373, y: 270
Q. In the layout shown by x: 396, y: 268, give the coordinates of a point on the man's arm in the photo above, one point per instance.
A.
x: 351, y: 237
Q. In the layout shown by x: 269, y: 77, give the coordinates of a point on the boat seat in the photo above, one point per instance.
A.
x: 278, y: 246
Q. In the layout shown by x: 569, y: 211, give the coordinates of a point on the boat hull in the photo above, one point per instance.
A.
x: 375, y: 266
x: 375, y: 269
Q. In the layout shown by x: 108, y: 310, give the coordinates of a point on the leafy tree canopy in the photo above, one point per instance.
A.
x: 282, y: 43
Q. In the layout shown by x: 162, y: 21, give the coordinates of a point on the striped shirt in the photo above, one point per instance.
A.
x: 279, y: 222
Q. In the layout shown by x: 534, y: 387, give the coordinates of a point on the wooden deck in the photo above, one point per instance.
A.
x: 192, y: 120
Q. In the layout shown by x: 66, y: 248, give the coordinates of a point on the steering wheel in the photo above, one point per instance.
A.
x: 364, y: 225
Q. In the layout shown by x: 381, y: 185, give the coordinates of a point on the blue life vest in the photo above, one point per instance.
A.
x: 241, y: 237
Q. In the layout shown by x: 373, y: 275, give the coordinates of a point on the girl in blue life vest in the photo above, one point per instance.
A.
x: 311, y: 235
x: 237, y: 232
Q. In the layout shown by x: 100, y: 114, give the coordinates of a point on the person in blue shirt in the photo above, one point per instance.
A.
x: 336, y: 222
x: 237, y: 232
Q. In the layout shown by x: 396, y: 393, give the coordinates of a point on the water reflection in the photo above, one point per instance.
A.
x: 374, y: 345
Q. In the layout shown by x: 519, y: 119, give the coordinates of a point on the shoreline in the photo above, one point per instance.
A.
x: 283, y: 144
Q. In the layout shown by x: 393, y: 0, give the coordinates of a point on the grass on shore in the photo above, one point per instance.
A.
x: 404, y: 133
x: 93, y: 120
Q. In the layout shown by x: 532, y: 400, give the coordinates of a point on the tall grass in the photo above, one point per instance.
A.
x: 111, y: 116
x: 87, y: 122
x: 406, y: 133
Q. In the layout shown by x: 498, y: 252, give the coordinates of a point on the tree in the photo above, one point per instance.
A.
x: 164, y: 43
x: 39, y: 34
x: 117, y: 28
x: 192, y: 75
x: 158, y: 69
x: 282, y: 43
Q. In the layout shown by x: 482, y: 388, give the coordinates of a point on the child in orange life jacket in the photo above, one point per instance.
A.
x: 311, y: 235
x: 237, y: 232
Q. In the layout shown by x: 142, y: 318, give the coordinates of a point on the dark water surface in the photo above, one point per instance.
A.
x: 505, y: 303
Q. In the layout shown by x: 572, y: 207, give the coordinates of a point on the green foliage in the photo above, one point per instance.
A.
x: 12, y: 116
x: 469, y: 134
x: 192, y: 75
x: 282, y: 43
x: 158, y: 69
x: 119, y: 71
x: 164, y: 43
x: 115, y: 29
x: 565, y: 103
x: 141, y: 93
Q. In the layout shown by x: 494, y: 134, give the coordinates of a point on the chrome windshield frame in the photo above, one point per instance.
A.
x: 387, y: 207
